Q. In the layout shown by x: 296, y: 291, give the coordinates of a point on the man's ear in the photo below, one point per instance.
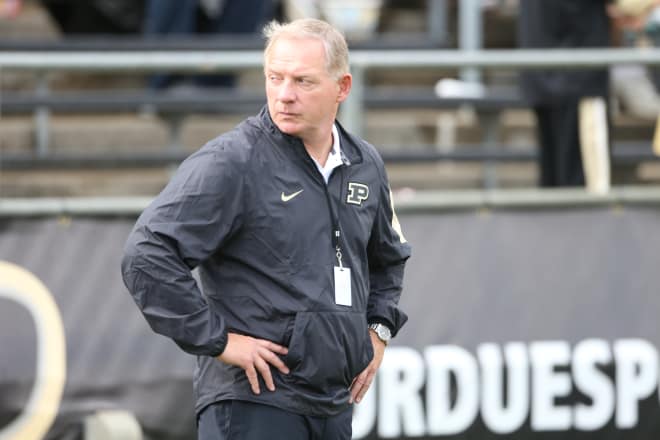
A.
x: 345, y: 83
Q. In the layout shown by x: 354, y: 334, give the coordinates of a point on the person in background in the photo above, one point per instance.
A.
x: 289, y: 220
x: 10, y: 8
x: 555, y: 95
x: 632, y: 85
x: 96, y: 17
x: 203, y: 17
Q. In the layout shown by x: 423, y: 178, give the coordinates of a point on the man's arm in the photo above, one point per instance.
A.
x: 182, y: 227
x: 388, y: 252
x: 199, y: 209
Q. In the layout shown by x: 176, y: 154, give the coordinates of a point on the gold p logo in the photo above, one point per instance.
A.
x: 357, y: 193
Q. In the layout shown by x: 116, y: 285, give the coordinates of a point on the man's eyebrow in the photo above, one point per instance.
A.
x: 296, y: 75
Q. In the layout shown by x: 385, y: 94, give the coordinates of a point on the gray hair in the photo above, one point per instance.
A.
x: 334, y: 43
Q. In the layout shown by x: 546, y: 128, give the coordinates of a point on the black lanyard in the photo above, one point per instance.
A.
x: 336, y: 230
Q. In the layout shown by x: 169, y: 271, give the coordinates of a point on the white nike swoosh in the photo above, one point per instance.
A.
x: 286, y: 198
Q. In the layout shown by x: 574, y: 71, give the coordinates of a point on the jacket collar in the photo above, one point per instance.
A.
x: 349, y: 144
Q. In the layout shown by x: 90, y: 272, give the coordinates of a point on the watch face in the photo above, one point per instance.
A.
x: 383, y: 333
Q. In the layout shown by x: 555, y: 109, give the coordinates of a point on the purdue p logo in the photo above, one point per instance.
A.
x: 357, y: 193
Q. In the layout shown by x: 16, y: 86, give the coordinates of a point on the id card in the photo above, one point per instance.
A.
x: 343, y: 286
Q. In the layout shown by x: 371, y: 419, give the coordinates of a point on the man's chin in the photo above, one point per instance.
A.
x: 288, y: 128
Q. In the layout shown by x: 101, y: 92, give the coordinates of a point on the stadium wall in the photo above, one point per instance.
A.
x: 527, y: 320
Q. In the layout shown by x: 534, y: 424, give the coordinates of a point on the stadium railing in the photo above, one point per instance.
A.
x: 237, y: 55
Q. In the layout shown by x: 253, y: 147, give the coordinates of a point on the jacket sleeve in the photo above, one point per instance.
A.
x: 184, y: 225
x: 388, y: 251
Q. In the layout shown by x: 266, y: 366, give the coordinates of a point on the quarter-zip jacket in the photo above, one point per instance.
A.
x: 252, y: 213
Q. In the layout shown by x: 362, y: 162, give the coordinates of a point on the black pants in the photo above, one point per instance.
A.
x: 238, y: 420
x: 560, y: 158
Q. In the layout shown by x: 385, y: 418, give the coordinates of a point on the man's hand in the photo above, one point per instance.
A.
x: 362, y: 383
x: 254, y: 356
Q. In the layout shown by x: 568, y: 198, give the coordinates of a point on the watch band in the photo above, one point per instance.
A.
x: 382, y: 331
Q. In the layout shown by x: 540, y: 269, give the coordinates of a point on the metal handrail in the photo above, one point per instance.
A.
x: 353, y: 109
x: 361, y: 61
x: 212, y: 61
x: 408, y: 201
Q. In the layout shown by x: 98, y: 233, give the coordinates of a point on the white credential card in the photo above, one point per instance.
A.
x: 343, y: 286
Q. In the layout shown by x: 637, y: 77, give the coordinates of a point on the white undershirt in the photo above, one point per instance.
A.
x: 334, y: 158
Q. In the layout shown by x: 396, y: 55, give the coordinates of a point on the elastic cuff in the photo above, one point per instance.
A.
x: 376, y: 320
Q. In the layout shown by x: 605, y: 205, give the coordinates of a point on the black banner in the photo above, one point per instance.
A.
x: 524, y: 323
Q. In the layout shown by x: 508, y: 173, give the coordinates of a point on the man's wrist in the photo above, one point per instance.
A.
x: 221, y: 345
x: 382, y: 331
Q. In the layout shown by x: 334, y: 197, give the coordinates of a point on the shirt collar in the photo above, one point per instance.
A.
x: 334, y: 157
x: 336, y: 146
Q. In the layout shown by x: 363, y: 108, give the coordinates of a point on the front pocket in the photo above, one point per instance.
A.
x: 328, y: 349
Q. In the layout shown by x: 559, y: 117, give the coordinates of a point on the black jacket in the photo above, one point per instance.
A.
x: 265, y: 262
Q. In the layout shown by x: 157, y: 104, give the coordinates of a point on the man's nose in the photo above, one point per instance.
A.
x: 287, y: 91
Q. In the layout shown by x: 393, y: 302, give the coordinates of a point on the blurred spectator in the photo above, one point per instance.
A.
x: 356, y: 19
x: 631, y: 11
x: 10, y: 8
x: 634, y: 92
x: 208, y: 17
x: 632, y: 85
x: 555, y: 95
x: 96, y: 16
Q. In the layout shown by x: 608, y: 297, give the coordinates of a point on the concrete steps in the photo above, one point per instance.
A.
x: 125, y: 133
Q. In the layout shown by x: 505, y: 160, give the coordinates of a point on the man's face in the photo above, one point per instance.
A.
x: 302, y: 96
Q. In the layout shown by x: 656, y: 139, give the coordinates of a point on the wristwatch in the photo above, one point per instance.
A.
x: 382, y: 331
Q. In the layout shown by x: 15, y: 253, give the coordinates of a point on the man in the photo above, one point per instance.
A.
x: 289, y: 220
